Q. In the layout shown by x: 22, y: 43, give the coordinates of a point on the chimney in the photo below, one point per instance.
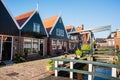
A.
x: 82, y: 27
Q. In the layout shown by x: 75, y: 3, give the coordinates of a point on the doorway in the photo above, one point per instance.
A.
x: 6, y: 47
x: 41, y: 48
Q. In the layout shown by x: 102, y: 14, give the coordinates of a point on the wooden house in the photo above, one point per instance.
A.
x: 110, y: 39
x: 117, y: 39
x: 73, y: 39
x: 33, y: 34
x: 9, y: 29
x: 58, y: 39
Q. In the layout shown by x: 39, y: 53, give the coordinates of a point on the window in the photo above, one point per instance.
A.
x: 35, y: 46
x: 59, y: 44
x: 54, y: 42
x: 59, y: 32
x: 31, y: 45
x: 62, y: 32
x: 36, y: 27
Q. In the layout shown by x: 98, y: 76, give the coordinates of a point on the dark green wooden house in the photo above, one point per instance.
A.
x: 58, y: 39
x: 8, y: 30
x: 33, y: 34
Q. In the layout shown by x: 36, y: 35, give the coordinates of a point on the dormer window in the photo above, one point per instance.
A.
x: 36, y: 27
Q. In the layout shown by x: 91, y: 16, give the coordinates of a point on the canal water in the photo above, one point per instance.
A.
x: 97, y: 69
x: 102, y: 70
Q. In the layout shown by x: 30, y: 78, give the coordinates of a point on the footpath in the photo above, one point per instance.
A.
x: 32, y: 70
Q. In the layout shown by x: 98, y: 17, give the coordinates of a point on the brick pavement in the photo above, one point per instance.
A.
x: 33, y: 70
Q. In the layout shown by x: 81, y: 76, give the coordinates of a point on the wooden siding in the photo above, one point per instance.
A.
x: 59, y: 25
x: 7, y: 25
x: 27, y: 30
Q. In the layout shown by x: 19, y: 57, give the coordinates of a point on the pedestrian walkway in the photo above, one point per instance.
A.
x: 33, y: 70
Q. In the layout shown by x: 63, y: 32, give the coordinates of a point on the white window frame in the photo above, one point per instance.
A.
x: 32, y: 42
x: 36, y: 27
x: 54, y: 44
x: 62, y: 32
x: 59, y: 32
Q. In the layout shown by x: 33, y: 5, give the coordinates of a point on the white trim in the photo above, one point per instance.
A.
x: 10, y: 14
x: 11, y: 57
x: 43, y: 25
x: 27, y: 20
x: 1, y: 47
x: 72, y: 28
x: 65, y: 30
x: 39, y: 44
x: 54, y: 25
x: 12, y: 48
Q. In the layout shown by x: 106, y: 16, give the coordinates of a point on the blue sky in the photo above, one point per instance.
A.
x: 91, y: 13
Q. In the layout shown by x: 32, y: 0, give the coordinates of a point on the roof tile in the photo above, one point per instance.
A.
x: 23, y: 17
x: 79, y: 28
x: 49, y: 22
x: 68, y: 28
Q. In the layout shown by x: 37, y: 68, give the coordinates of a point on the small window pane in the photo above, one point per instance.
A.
x: 36, y: 27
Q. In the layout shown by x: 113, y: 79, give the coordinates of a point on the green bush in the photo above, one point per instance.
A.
x: 40, y: 52
x: 86, y: 47
x: 50, y: 62
x: 18, y: 57
x: 78, y: 52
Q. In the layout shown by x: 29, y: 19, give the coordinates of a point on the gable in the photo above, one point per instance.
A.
x: 49, y: 22
x: 59, y: 30
x: 27, y: 30
x: 7, y: 24
x: 68, y: 28
x: 73, y: 29
x: 21, y: 19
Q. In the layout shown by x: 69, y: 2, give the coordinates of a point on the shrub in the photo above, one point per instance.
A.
x: 40, y: 52
x: 78, y: 52
x: 86, y: 47
x: 18, y: 57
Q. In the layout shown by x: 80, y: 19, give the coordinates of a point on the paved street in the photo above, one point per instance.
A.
x: 33, y: 70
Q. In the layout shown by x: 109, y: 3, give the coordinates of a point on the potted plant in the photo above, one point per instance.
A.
x: 78, y: 53
x: 86, y: 48
x: 50, y: 64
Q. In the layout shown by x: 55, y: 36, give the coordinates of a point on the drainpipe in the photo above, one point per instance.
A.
x: 19, y: 41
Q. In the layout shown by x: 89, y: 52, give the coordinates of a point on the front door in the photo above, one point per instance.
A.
x: 41, y: 48
x: 6, y: 48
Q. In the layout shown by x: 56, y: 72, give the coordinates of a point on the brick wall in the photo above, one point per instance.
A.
x: 117, y: 42
x: 53, y: 51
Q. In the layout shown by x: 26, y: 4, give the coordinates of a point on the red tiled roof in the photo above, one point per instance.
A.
x: 79, y: 28
x: 23, y: 17
x: 49, y: 22
x: 68, y: 28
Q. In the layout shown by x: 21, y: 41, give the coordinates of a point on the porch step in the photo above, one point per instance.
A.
x: 8, y: 62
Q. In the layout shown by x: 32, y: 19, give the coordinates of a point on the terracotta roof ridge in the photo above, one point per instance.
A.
x: 24, y: 15
x: 51, y: 17
x: 69, y: 26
